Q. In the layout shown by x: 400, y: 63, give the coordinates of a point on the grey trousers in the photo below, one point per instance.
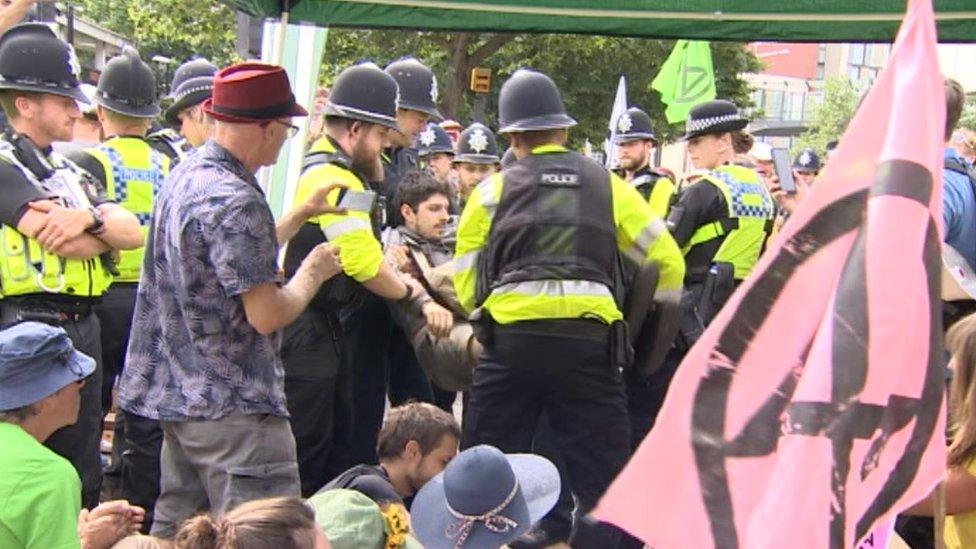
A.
x: 217, y: 465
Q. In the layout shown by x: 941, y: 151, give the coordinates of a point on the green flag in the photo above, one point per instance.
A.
x: 686, y: 79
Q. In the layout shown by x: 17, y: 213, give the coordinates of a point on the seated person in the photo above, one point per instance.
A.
x: 484, y: 499
x: 351, y: 520
x: 41, y: 375
x: 442, y: 337
x: 274, y: 523
x: 416, y: 442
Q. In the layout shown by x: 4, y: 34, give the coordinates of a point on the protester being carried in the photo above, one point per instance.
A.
x: 416, y: 442
x: 440, y: 333
x: 41, y: 375
x: 276, y: 523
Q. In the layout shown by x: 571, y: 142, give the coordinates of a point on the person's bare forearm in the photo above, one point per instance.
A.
x: 122, y: 230
x: 386, y: 284
x: 82, y: 247
x: 292, y: 299
x: 290, y: 224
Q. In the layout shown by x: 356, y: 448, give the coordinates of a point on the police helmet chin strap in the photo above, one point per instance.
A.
x: 29, y: 155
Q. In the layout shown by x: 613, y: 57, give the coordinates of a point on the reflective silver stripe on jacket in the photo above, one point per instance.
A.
x: 645, y: 239
x: 339, y: 228
x: 554, y: 288
x: 466, y: 261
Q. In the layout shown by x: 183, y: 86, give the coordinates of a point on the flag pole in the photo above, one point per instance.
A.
x: 282, y: 29
x: 939, y: 517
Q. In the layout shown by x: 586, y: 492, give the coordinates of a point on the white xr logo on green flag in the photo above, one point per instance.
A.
x: 686, y: 79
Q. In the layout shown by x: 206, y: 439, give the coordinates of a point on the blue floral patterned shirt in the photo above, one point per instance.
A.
x: 192, y: 354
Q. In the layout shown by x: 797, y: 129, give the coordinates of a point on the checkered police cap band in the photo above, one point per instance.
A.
x: 705, y: 123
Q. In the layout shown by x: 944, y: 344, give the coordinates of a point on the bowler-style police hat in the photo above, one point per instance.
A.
x: 192, y: 84
x: 714, y: 117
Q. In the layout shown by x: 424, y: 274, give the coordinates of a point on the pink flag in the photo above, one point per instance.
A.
x: 810, y: 411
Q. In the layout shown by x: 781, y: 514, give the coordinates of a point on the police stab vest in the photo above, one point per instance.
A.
x: 25, y: 267
x: 174, y: 146
x: 749, y: 221
x: 554, y: 222
x: 644, y: 183
x: 134, y: 174
x: 340, y: 290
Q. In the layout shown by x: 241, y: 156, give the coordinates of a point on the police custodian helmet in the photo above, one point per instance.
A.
x: 633, y: 125
x: 477, y: 145
x: 418, y: 86
x: 364, y: 92
x: 434, y: 139
x: 127, y: 86
x: 33, y: 58
x: 530, y: 101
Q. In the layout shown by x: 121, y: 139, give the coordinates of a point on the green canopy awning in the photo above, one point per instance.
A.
x: 743, y: 20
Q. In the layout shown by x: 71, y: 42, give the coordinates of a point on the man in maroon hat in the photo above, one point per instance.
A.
x: 204, y: 352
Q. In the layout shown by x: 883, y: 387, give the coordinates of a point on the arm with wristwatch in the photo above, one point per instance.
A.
x: 78, y: 233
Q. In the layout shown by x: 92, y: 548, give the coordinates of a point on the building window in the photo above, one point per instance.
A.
x: 821, y: 61
x: 864, y: 63
x: 774, y: 105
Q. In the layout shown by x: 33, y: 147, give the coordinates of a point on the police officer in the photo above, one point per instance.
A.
x: 417, y: 105
x: 56, y: 223
x: 536, y: 264
x: 806, y: 166
x: 318, y: 374
x: 476, y: 158
x: 383, y: 358
x: 723, y: 219
x: 192, y: 85
x: 130, y: 170
x: 635, y: 141
x: 435, y: 151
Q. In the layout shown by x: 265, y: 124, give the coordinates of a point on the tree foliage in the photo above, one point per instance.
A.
x: 829, y: 119
x: 178, y: 29
x: 586, y: 68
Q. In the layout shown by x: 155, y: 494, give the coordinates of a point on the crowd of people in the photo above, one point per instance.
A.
x: 460, y: 346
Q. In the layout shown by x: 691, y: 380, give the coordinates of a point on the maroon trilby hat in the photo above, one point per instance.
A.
x: 252, y: 92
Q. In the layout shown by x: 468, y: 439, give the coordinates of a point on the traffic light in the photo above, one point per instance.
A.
x: 480, y: 80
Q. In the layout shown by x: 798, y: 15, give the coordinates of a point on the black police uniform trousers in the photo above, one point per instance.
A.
x: 79, y: 443
x: 138, y: 440
x: 318, y: 386
x: 563, y: 369
x: 382, y: 361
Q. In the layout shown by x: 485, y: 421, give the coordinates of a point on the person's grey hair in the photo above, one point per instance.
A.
x: 18, y: 415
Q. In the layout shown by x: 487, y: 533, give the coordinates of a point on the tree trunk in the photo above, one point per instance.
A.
x: 456, y: 85
x: 457, y: 46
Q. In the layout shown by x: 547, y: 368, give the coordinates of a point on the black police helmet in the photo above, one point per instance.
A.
x: 530, y: 101
x: 434, y: 139
x: 192, y: 84
x: 477, y: 145
x: 33, y: 58
x: 418, y: 86
x: 364, y: 92
x: 633, y: 125
x: 807, y: 161
x: 127, y: 86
